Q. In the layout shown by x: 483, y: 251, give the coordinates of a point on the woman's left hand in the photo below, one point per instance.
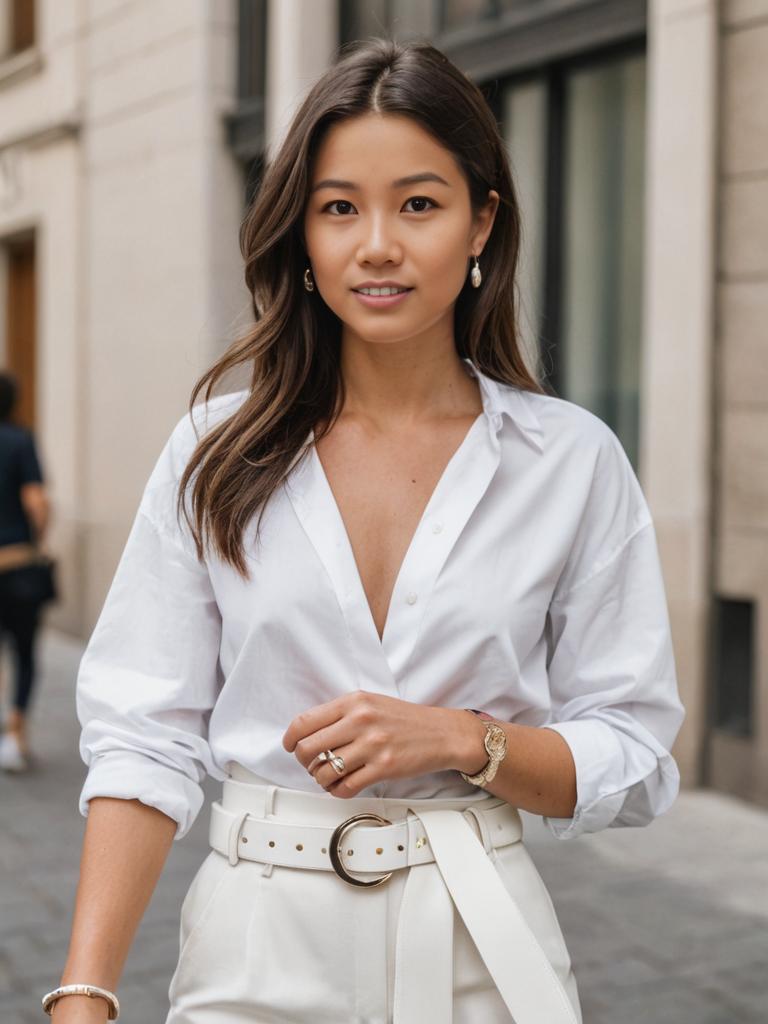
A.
x: 378, y: 737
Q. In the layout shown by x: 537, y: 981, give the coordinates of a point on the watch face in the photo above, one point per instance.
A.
x: 495, y: 740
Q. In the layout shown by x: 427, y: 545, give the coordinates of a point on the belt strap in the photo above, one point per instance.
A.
x: 448, y: 865
x: 518, y: 965
x: 377, y: 849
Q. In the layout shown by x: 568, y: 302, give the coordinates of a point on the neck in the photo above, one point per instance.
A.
x: 400, y: 385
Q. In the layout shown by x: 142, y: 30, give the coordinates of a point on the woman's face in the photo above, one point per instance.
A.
x: 389, y: 207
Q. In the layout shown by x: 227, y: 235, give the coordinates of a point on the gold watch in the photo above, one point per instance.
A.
x: 496, y: 747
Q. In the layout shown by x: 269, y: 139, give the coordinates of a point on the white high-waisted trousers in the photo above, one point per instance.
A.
x: 270, y: 944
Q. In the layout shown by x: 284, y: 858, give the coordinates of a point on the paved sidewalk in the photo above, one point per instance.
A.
x: 666, y: 925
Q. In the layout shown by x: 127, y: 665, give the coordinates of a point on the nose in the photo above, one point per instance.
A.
x: 378, y: 243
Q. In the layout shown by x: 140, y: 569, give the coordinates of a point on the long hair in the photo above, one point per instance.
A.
x: 293, y: 348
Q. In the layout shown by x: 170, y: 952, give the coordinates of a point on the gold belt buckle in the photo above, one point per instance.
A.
x: 335, y: 849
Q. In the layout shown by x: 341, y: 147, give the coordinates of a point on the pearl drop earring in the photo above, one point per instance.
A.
x: 309, y: 283
x: 476, y: 276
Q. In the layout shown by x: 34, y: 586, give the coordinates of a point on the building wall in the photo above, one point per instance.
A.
x: 113, y: 147
x: 676, y: 406
x: 741, y: 479
x: 41, y: 191
x: 162, y: 210
x: 301, y: 40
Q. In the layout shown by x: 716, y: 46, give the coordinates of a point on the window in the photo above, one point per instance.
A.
x: 602, y: 242
x: 455, y: 13
x: 734, y: 665
x: 246, y: 125
x: 360, y: 19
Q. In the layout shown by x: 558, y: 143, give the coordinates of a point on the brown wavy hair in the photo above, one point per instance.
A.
x: 293, y: 348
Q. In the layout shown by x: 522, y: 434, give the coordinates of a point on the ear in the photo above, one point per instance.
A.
x: 483, y: 223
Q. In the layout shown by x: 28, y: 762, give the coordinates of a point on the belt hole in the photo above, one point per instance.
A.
x: 271, y: 842
x: 244, y: 839
x: 350, y: 852
x: 324, y: 849
x: 400, y: 846
x: 299, y: 846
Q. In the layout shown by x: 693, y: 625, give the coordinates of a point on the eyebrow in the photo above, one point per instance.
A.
x: 410, y: 179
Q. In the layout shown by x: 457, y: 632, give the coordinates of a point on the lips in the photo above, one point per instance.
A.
x: 381, y: 288
x: 381, y: 296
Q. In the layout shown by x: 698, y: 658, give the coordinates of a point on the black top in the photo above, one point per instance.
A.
x: 19, y: 465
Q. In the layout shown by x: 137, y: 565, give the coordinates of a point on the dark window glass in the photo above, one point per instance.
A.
x: 399, y: 19
x: 252, y: 33
x: 734, y: 665
x: 603, y: 203
x: 245, y: 127
x: 576, y: 143
x: 362, y: 18
x: 517, y: 5
x: 456, y: 13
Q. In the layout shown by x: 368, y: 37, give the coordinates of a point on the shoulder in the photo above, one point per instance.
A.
x: 17, y: 444
x: 587, y: 471
x: 169, y: 467
x: 194, y: 425
x: 576, y: 443
x: 566, y: 425
x: 14, y: 436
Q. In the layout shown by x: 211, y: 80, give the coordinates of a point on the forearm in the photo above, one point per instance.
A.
x: 125, y: 847
x: 37, y: 509
x: 537, y: 774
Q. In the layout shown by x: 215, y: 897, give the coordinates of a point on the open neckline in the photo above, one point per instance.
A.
x: 343, y: 532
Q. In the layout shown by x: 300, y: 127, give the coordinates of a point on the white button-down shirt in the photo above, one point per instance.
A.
x: 532, y: 588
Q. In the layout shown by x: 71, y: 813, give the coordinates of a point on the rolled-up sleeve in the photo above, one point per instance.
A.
x: 612, y: 675
x: 149, y: 676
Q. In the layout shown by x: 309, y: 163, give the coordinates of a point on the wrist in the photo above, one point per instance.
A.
x: 80, y: 1009
x: 470, y: 755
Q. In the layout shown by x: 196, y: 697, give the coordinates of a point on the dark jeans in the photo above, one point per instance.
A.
x: 19, y: 621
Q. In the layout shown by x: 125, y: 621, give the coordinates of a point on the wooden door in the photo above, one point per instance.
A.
x: 20, y: 334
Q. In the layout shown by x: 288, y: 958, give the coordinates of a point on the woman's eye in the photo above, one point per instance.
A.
x: 420, y: 204
x: 343, y: 207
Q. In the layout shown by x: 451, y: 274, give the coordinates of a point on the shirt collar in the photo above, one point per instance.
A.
x: 505, y: 399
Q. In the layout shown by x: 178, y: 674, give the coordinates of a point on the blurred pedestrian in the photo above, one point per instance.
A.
x: 24, y: 516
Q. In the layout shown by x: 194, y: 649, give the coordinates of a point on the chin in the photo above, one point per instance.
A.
x: 383, y: 335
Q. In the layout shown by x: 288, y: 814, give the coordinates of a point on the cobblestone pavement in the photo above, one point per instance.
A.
x: 666, y: 925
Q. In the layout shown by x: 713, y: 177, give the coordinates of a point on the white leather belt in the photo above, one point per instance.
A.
x: 449, y: 847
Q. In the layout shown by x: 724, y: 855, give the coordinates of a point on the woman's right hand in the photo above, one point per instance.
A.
x: 80, y: 1010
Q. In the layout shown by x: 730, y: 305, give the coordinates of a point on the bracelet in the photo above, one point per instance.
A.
x: 92, y: 991
x: 495, y: 746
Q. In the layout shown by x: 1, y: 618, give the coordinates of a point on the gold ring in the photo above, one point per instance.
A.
x: 334, y: 849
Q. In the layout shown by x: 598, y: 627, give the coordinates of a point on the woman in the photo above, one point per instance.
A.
x: 392, y: 578
x: 24, y: 516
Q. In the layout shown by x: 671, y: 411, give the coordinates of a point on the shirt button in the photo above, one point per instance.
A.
x: 411, y: 598
x: 437, y: 527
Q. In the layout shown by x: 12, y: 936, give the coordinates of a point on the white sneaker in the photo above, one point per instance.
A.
x: 11, y: 757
